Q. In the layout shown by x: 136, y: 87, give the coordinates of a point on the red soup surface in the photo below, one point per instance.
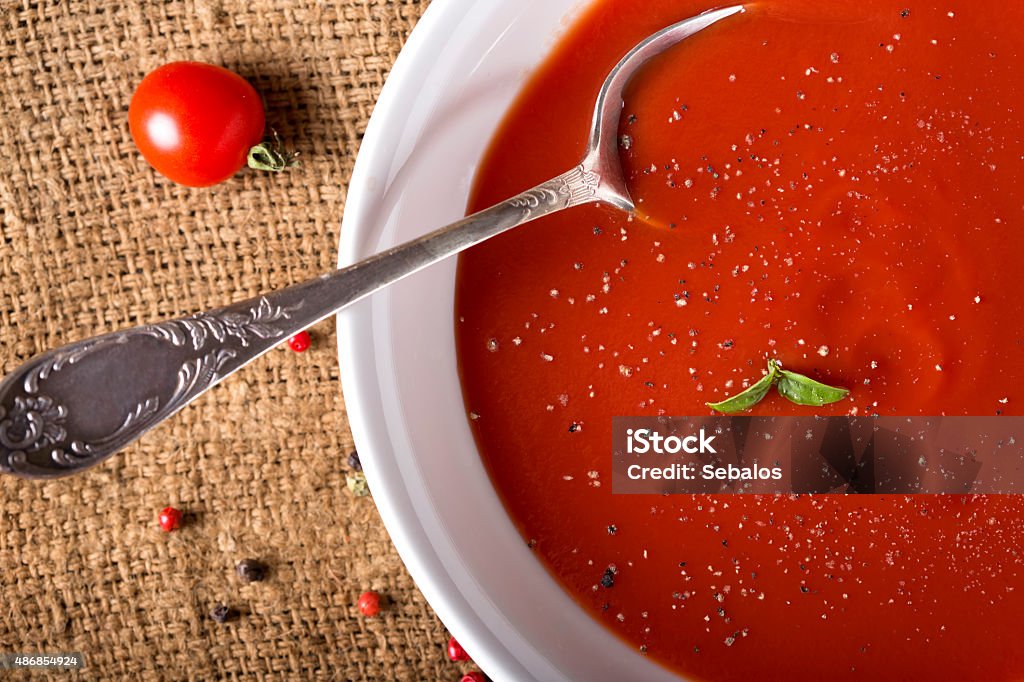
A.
x: 835, y: 184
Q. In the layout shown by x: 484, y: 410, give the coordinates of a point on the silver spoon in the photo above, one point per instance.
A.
x: 67, y: 409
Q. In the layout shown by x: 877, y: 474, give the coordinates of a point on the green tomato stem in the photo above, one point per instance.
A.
x: 270, y: 156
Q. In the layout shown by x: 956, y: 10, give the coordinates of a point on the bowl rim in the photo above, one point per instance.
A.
x: 418, y: 555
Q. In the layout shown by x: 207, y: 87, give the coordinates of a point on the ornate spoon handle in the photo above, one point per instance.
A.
x: 67, y: 409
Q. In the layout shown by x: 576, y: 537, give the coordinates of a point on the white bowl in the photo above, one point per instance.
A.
x: 461, y: 69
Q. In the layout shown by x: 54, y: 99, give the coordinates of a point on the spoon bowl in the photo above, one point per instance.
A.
x: 602, y: 153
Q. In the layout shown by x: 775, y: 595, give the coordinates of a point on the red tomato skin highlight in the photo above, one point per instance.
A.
x: 195, y: 123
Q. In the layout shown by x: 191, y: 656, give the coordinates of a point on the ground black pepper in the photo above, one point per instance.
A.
x: 223, y: 614
x: 251, y: 571
x: 353, y: 461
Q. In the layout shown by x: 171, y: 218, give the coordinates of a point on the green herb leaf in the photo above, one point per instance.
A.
x: 794, y: 387
x: 803, y: 390
x: 749, y: 397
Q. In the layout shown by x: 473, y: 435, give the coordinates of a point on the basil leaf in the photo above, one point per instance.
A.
x: 806, y: 391
x: 749, y: 397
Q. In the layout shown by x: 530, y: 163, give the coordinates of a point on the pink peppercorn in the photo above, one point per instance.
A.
x: 456, y: 652
x: 369, y: 603
x: 300, y: 342
x: 170, y: 519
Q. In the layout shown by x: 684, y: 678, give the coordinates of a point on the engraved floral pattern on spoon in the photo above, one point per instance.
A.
x: 35, y: 423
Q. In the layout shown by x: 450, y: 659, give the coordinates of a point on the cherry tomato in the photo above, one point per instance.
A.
x: 195, y: 123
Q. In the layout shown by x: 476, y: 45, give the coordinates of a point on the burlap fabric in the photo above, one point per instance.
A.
x: 92, y: 240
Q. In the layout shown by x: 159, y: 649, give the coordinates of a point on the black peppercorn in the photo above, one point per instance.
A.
x: 251, y: 571
x: 222, y: 614
x: 353, y: 461
x: 608, y: 579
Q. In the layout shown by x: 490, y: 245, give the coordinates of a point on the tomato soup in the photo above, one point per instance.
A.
x: 834, y: 184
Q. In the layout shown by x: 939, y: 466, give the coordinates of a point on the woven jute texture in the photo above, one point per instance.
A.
x: 93, y: 240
